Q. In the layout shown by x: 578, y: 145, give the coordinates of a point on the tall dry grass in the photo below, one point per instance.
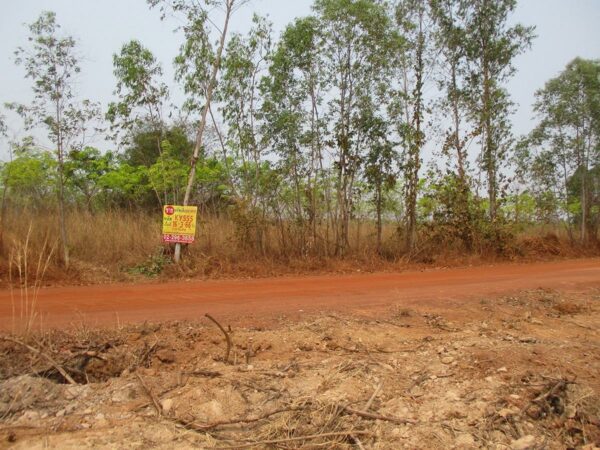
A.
x: 116, y: 245
x: 27, y: 267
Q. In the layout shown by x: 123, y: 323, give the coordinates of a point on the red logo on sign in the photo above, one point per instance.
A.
x: 169, y: 210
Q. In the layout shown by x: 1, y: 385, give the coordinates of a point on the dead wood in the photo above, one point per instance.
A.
x: 150, y: 394
x: 348, y: 433
x: 227, y: 337
x: 205, y: 427
x: 370, y: 401
x: 204, y: 373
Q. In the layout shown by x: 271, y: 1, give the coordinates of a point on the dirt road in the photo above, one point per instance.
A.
x: 253, y: 300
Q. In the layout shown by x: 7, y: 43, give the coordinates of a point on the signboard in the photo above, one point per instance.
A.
x: 179, y: 223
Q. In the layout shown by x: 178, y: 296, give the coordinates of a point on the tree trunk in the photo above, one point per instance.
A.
x: 379, y: 208
x: 202, y: 124
x: 61, y: 187
x: 415, y: 148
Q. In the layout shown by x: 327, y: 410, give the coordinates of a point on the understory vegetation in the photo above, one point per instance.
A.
x: 367, y: 134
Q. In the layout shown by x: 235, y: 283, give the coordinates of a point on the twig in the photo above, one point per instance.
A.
x: 227, y: 338
x: 209, y: 426
x: 62, y: 371
x: 204, y: 373
x: 373, y: 416
x: 370, y: 402
x: 585, y: 327
x: 147, y: 354
x: 357, y: 442
x: 150, y: 394
x: 299, y: 438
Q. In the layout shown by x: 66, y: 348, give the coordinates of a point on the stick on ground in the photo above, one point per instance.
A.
x: 227, y: 337
x: 204, y: 427
x: 150, y: 394
x: 298, y: 438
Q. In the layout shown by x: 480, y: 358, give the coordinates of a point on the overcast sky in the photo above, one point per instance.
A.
x: 565, y: 29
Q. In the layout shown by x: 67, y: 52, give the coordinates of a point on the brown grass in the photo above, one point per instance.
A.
x: 118, y: 246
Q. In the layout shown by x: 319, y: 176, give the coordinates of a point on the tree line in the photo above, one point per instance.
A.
x: 325, y: 124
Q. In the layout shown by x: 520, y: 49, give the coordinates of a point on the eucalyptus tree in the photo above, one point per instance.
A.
x: 449, y: 39
x: 198, y: 65
x: 141, y: 99
x: 413, y: 19
x: 141, y: 94
x: 492, y: 44
x: 244, y: 65
x: 381, y: 163
x: 358, y: 46
x: 568, y: 133
x: 51, y: 63
x: 292, y: 115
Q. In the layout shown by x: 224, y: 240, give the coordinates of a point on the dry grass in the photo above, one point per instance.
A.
x: 116, y: 245
x: 30, y: 266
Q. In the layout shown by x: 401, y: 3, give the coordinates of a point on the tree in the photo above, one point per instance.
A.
x: 491, y: 46
x: 359, y: 46
x: 192, y: 68
x: 50, y: 61
x: 450, y: 18
x: 141, y: 100
x: 30, y: 176
x: 141, y: 95
x: 381, y: 164
x: 568, y: 134
x: 293, y: 123
x: 243, y: 66
x: 414, y: 62
x: 84, y: 169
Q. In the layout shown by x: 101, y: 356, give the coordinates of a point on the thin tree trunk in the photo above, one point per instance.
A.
x: 61, y: 188
x: 415, y: 148
x: 379, y: 225
x: 202, y: 124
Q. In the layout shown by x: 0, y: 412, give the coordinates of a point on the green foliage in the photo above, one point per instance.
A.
x: 30, y: 177
x: 561, y: 154
x: 125, y: 185
x: 152, y: 267
x: 84, y: 169
x: 168, y: 175
x: 141, y: 94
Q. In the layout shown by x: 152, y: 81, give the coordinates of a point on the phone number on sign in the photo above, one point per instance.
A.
x: 181, y: 238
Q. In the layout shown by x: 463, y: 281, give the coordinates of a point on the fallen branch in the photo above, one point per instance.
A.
x: 54, y: 364
x: 368, y: 415
x: 227, y: 338
x: 150, y: 394
x: 370, y: 402
x: 299, y: 438
x: 204, y: 373
x: 205, y: 427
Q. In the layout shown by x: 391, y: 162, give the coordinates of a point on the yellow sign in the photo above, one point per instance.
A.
x: 179, y: 223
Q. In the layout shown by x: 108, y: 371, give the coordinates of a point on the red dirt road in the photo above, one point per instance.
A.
x: 253, y: 300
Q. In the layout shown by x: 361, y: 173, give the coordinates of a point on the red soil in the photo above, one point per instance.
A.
x: 253, y: 301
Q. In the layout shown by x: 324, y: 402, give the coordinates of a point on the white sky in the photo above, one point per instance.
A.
x: 565, y: 29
